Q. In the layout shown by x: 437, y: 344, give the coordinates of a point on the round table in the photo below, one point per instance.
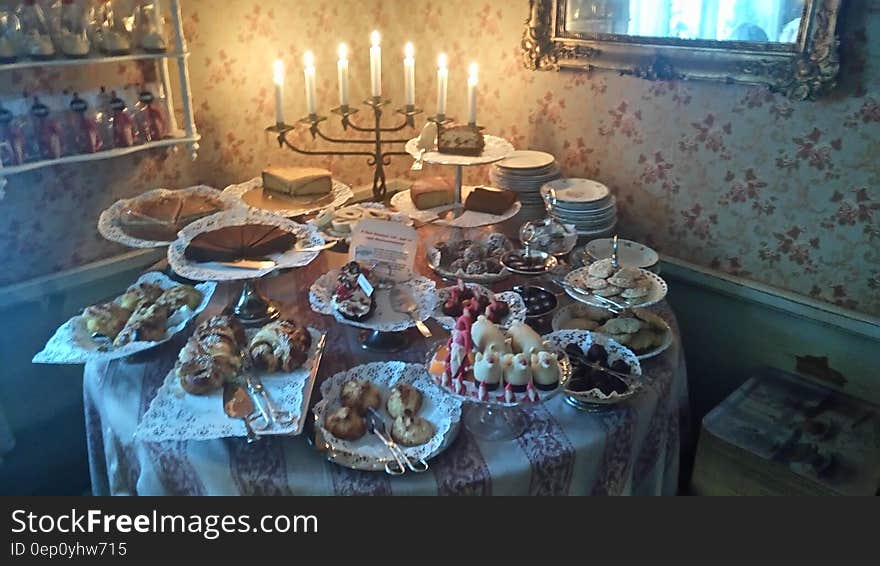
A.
x: 630, y: 449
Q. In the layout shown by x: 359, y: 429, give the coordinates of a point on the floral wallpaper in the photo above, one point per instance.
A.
x: 730, y: 177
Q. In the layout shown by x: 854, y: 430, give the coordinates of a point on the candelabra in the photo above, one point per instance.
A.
x: 378, y: 158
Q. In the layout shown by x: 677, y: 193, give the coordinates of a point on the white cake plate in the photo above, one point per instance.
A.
x: 402, y: 201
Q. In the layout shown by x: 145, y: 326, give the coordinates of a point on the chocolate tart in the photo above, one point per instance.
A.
x: 247, y: 241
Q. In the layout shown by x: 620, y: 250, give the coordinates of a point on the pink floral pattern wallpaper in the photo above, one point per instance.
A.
x: 730, y: 177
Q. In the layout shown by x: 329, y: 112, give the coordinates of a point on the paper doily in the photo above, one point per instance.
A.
x: 339, y: 195
x: 514, y: 301
x: 495, y: 149
x: 469, y: 219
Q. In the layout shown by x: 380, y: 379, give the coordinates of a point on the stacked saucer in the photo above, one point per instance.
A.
x: 525, y: 172
x: 586, y: 204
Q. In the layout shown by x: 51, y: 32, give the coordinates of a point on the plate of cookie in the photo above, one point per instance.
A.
x: 602, y: 284
x: 150, y: 312
x: 420, y: 418
x: 640, y: 330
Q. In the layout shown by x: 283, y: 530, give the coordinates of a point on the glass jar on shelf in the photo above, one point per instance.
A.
x: 152, y: 124
x: 83, y: 131
x: 124, y: 127
x: 47, y: 130
x: 104, y: 118
x: 72, y: 36
x: 115, y: 24
x: 12, y: 139
x: 10, y: 36
x: 149, y: 32
x: 36, y: 41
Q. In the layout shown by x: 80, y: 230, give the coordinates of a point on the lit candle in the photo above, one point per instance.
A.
x: 342, y: 69
x: 472, y: 94
x: 278, y: 79
x: 442, y: 82
x: 409, y: 75
x: 375, y: 65
x: 309, y: 73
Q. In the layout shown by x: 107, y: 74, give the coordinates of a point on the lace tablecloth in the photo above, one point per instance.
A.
x: 632, y: 449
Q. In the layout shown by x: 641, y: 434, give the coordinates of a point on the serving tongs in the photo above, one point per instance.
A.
x: 376, y: 425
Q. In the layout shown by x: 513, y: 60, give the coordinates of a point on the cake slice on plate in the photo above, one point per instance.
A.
x: 460, y: 139
x: 297, y: 181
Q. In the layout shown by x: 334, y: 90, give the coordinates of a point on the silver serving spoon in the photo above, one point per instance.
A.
x: 403, y: 302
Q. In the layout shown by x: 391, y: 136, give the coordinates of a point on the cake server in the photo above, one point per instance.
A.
x: 238, y: 405
x: 402, y: 302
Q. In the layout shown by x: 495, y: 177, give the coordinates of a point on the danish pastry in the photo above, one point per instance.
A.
x: 147, y: 324
x: 404, y: 399
x: 179, y: 296
x: 139, y: 295
x: 280, y: 346
x: 211, y: 356
x: 345, y: 423
x: 107, y: 319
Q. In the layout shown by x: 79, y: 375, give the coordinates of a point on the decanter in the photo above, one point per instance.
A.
x: 36, y: 34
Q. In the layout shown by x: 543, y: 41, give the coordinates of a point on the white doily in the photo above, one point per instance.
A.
x: 584, y: 339
x: 495, y: 149
x: 339, y: 195
x: 72, y: 343
x: 384, y: 318
x: 402, y: 201
x: 440, y: 409
x: 514, y: 301
x: 174, y: 414
x: 108, y: 222
x: 306, y: 235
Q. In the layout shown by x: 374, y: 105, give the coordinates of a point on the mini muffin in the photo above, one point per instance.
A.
x: 404, y: 400
x: 360, y: 396
x: 346, y: 424
x: 411, y: 430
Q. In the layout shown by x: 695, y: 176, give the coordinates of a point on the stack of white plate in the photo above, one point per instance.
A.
x: 525, y: 172
x: 586, y: 204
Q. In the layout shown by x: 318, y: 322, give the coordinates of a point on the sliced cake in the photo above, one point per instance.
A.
x: 460, y: 139
x: 297, y: 181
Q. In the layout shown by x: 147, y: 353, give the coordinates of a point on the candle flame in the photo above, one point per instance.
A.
x: 343, y: 51
x: 409, y: 51
x: 442, y: 61
x: 278, y: 72
x: 473, y: 71
x: 309, y: 59
x: 374, y: 38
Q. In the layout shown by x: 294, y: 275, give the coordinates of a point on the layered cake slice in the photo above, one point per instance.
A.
x: 297, y: 181
x: 460, y: 139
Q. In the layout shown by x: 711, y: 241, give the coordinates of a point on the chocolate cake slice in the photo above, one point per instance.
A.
x: 489, y: 201
x: 248, y: 241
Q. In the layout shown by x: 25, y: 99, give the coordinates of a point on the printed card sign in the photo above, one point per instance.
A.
x: 390, y: 246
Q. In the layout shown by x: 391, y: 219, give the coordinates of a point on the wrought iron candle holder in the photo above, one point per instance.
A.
x: 378, y: 157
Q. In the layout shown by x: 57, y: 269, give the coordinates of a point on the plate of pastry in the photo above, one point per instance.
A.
x: 290, y: 191
x: 148, y: 313
x: 601, y: 284
x: 475, y: 258
x: 339, y: 224
x: 420, y: 418
x: 603, y: 371
x: 357, y: 296
x: 642, y: 331
x: 481, y: 206
x: 222, y: 246
x: 458, y: 144
x: 503, y: 308
x: 484, y: 363
x: 153, y: 219
x: 189, y: 405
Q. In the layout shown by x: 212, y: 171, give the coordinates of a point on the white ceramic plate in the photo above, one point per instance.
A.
x: 629, y: 253
x: 578, y: 310
x: 527, y: 159
x: 175, y: 414
x: 495, y: 149
x: 441, y: 410
x: 73, y: 344
x: 402, y: 201
x: 575, y: 193
x: 656, y: 292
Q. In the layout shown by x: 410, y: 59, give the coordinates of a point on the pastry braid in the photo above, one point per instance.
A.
x: 211, y: 356
x: 280, y: 346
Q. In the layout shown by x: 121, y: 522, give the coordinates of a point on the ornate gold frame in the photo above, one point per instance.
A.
x: 806, y: 70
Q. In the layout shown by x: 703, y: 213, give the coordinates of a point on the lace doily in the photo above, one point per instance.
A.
x: 339, y: 195
x: 402, y: 201
x: 440, y: 409
x: 72, y: 343
x: 384, y: 318
x: 495, y: 149
x: 108, y: 222
x: 584, y: 339
x: 306, y: 235
x: 514, y: 301
x: 174, y: 414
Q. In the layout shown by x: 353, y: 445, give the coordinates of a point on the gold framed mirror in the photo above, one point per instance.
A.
x: 789, y: 45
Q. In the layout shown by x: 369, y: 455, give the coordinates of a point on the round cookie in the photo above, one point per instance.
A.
x: 601, y: 269
x: 346, y: 424
x: 608, y: 291
x: 634, y: 293
x: 403, y: 400
x: 595, y: 283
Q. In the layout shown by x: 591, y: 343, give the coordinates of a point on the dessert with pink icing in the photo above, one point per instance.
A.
x: 545, y: 370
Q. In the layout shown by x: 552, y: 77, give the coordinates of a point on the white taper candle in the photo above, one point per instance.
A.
x: 442, y: 83
x: 409, y: 75
x: 375, y: 65
x: 342, y: 71
x: 278, y: 79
